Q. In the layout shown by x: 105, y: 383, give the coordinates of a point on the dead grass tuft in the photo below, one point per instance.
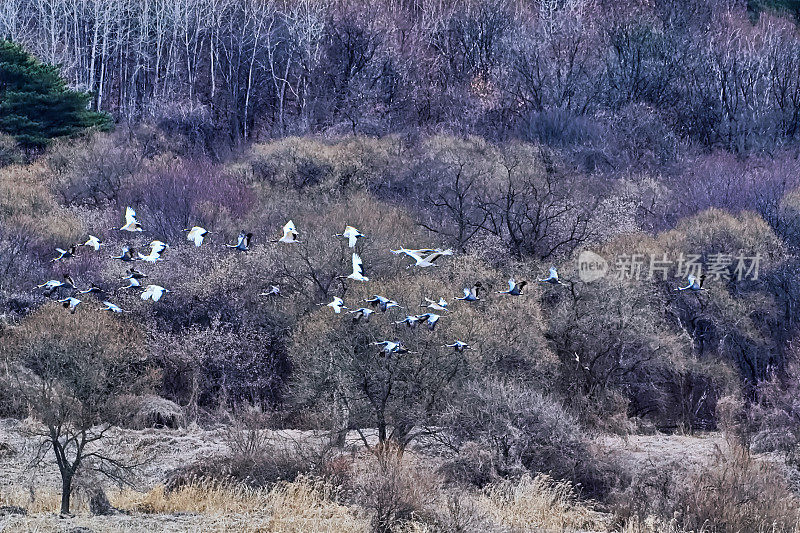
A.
x: 739, y: 492
x: 46, y: 501
x: 303, y: 505
x: 539, y: 503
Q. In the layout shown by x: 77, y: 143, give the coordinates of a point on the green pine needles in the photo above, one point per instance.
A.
x: 36, y: 105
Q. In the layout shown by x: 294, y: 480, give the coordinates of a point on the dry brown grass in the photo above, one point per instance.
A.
x: 649, y: 525
x: 303, y: 505
x: 733, y: 493
x: 25, y: 202
x: 308, y: 505
x: 539, y: 503
x: 46, y: 501
x: 739, y: 492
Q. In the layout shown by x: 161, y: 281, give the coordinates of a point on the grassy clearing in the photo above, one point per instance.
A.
x: 303, y: 505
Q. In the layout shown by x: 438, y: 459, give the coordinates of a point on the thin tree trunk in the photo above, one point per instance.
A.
x: 381, y: 429
x: 342, y: 418
x: 66, y: 492
x: 93, y: 61
x: 250, y: 79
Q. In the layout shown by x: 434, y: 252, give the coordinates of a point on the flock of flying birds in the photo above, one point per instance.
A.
x: 423, y: 258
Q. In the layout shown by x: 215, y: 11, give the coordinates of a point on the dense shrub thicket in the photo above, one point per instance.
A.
x: 615, y: 353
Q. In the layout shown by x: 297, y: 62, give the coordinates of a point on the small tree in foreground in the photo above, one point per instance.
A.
x: 69, y: 370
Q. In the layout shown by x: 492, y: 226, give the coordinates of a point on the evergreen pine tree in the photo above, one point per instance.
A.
x: 35, y: 103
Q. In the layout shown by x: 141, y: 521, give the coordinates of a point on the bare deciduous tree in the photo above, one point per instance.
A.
x: 68, y: 369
